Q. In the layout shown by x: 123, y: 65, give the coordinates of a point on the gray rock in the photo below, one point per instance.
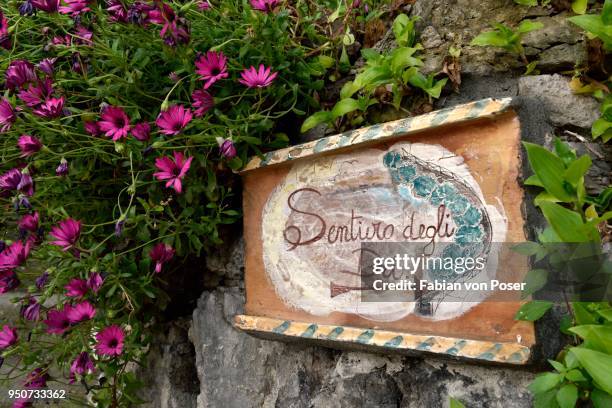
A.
x: 562, y: 57
x: 169, y: 373
x: 228, y: 263
x: 564, y: 107
x: 237, y: 370
x: 556, y: 30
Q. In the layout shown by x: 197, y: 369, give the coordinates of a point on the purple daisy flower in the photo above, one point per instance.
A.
x: 211, y: 67
x: 257, y: 78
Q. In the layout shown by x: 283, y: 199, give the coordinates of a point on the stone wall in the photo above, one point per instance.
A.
x: 205, y: 362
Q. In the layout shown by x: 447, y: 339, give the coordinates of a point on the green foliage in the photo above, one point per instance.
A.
x: 505, y: 37
x: 110, y: 185
x: 598, y: 25
x: 582, y: 371
x: 396, y: 70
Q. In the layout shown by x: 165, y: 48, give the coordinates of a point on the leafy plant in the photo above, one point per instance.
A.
x: 120, y: 126
x: 505, y: 37
x: 598, y: 25
x: 395, y: 71
x: 582, y: 371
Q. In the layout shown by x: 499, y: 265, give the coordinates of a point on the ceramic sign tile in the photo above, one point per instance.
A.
x: 444, y: 183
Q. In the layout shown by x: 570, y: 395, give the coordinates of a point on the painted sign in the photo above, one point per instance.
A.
x: 313, y: 212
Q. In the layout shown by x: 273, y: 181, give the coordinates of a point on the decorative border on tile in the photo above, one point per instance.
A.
x: 461, y: 113
x: 497, y: 352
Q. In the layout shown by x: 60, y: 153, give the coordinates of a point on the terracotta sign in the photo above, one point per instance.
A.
x: 354, y: 240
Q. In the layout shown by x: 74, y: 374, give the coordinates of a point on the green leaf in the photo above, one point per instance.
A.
x: 545, y: 382
x: 527, y: 248
x: 533, y: 310
x: 579, y: 6
x: 372, y: 77
x: 456, y: 403
x: 349, y: 89
x: 493, y: 38
x: 549, y: 169
x: 606, y: 16
x: 575, y: 375
x: 530, y: 3
x: 601, y: 399
x: 527, y: 26
x: 564, y: 151
x: 567, y: 224
x: 326, y: 62
x: 567, y: 396
x: 577, y: 169
x: 598, y: 365
x: 557, y: 366
x: 534, y: 281
x: 600, y: 127
x: 315, y: 119
x: 606, y: 314
x: 344, y: 106
x: 545, y: 399
x: 582, y: 314
x: 595, y: 25
x: 533, y: 180
x: 401, y: 58
x: 597, y: 337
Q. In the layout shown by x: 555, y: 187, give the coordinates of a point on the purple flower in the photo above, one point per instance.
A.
x: 57, y: 320
x: 138, y: 13
x: 10, y: 180
x: 28, y: 145
x: 62, y: 169
x: 76, y: 288
x: 82, y: 365
x: 80, y: 312
x: 51, y: 108
x: 175, y: 30
x: 257, y: 78
x: 5, y: 39
x: 31, y: 311
x: 8, y: 337
x: 74, y: 7
x: 7, y: 115
x: 204, y: 5
x: 174, y: 119
x: 66, y: 234
x: 227, y: 148
x: 115, y: 122
x: 47, y: 65
x: 14, y: 255
x: 117, y: 11
x: 173, y: 170
x: 92, y: 128
x: 202, y: 102
x: 26, y: 184
x: 36, y: 93
x: 37, y: 378
x: 94, y: 282
x: 26, y: 8
x: 110, y: 341
x: 50, y: 6
x: 82, y: 36
x: 141, y: 131
x: 41, y: 281
x: 19, y: 73
x: 211, y: 67
x: 160, y: 254
x: 29, y: 222
x: 8, y: 281
x: 264, y: 5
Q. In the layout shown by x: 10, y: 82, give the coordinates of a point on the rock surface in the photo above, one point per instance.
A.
x: 238, y: 370
x: 564, y: 107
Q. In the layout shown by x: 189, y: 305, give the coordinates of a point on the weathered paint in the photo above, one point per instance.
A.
x: 508, y: 353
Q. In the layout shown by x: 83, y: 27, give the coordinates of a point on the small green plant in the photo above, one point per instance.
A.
x: 598, y: 25
x: 578, y: 6
x: 505, y: 37
x: 396, y: 71
x: 582, y: 370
